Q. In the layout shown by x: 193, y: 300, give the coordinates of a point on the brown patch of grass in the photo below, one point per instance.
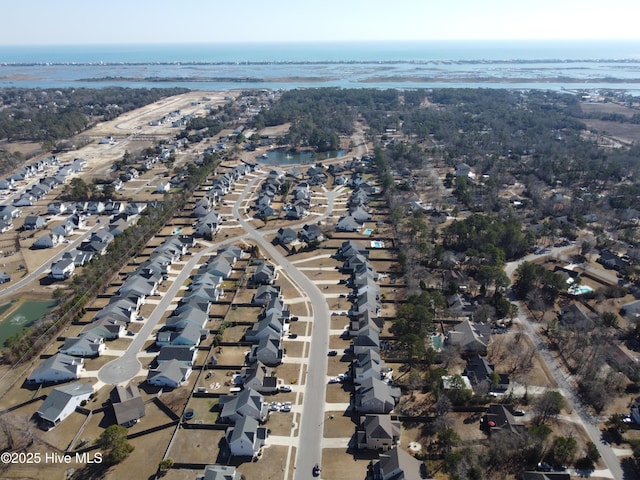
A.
x: 337, y: 464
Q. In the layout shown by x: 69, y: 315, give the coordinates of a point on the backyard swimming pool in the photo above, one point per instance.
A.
x: 368, y: 231
x: 580, y: 289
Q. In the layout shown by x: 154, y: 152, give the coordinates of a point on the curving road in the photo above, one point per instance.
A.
x: 309, y: 451
x: 574, y: 403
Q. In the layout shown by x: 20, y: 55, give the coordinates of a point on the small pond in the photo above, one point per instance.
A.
x: 289, y: 157
x: 23, y: 316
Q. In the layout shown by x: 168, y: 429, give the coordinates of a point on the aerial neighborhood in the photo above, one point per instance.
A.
x: 436, y: 296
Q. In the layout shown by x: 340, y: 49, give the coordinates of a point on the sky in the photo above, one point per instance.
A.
x: 65, y: 22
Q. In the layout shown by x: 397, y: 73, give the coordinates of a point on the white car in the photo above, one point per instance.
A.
x: 284, y: 388
x: 334, y: 380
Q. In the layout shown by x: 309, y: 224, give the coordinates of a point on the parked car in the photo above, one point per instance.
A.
x: 332, y: 353
x: 284, y: 388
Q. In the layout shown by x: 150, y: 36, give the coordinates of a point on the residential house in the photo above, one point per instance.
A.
x: 265, y: 293
x: 189, y: 314
x: 286, y: 236
x: 57, y: 368
x: 348, y: 224
x: 483, y: 377
x: 499, y: 418
x: 63, y: 230
x: 56, y: 208
x: 396, y: 464
x: 367, y: 339
x: 184, y: 354
x: 631, y: 309
x: 264, y: 274
x: 245, y: 438
x: 378, y: 432
x: 376, y: 396
x: 268, y: 351
x: 470, y: 337
x: 95, y: 208
x: 33, y: 222
x: 219, y: 472
x: 107, y: 328
x: 47, y: 241
x: 575, y: 317
x: 219, y: 267
x: 248, y: 403
x: 88, y: 344
x: 62, y: 402
x: 311, y: 233
x: 271, y: 325
x: 170, y: 374
x: 260, y: 378
x: 190, y: 335
x: 127, y: 404
x: 611, y: 260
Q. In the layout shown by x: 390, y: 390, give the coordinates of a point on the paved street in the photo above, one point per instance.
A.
x: 310, y: 439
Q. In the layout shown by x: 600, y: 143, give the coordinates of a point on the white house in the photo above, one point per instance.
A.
x: 62, y: 269
x: 62, y: 402
x: 245, y: 438
x: 88, y: 344
x: 57, y: 368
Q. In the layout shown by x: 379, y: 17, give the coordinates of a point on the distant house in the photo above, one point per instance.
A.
x: 311, y: 233
x: 57, y: 368
x: 220, y: 267
x: 62, y: 402
x: 265, y: 293
x: 576, y: 318
x: 4, y: 277
x: 33, y: 222
x: 378, y: 432
x: 47, y: 241
x: 631, y: 309
x: 128, y: 406
x: 245, y: 438
x: 264, y: 274
x: 286, y: 236
x: 396, y: 464
x: 348, y: 224
x: 611, y: 260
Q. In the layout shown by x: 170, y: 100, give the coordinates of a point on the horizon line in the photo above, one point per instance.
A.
x: 327, y: 42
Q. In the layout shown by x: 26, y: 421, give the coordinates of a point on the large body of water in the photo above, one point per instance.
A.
x: 549, y: 65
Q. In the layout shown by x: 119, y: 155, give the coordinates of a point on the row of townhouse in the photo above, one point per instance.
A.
x: 357, y: 205
x: 111, y: 321
x: 375, y: 396
x: 186, y: 327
